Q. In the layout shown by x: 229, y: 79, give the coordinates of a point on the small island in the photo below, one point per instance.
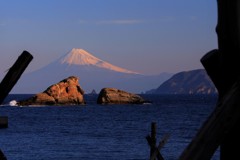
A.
x: 66, y: 92
x: 116, y: 96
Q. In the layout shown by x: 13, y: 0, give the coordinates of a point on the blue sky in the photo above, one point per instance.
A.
x: 147, y: 36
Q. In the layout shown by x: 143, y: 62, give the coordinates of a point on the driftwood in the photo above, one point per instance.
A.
x: 156, y: 153
x: 155, y: 150
x: 14, y: 74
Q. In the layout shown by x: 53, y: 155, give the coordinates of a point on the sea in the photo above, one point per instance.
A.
x: 102, y: 132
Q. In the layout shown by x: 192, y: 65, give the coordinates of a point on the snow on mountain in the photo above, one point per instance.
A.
x: 93, y: 72
x: 82, y: 57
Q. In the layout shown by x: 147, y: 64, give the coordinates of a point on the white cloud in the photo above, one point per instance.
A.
x: 112, y: 22
x: 82, y: 22
x: 120, y: 22
x: 167, y: 19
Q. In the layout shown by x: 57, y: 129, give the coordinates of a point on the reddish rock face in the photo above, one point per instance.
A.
x: 66, y: 92
x: 116, y: 96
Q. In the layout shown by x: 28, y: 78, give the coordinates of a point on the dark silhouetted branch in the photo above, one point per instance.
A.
x: 14, y: 74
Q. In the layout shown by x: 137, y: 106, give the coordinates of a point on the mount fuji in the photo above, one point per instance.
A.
x: 93, y: 73
x: 81, y: 57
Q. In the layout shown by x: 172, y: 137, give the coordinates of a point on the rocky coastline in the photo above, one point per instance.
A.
x: 68, y: 92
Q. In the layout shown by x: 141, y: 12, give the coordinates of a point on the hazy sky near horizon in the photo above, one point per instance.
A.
x: 147, y: 36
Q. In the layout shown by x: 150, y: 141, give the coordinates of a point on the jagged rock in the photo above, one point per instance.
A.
x: 116, y: 96
x: 66, y: 92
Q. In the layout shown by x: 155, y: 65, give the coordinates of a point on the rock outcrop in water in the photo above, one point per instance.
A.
x: 66, y: 92
x: 116, y: 96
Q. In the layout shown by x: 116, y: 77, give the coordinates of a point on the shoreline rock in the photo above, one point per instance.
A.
x: 116, y: 96
x: 66, y: 92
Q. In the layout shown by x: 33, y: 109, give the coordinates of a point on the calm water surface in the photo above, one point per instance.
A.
x: 114, y: 132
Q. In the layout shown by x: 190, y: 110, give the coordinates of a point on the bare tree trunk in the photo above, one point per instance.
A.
x: 222, y: 128
x: 228, y: 31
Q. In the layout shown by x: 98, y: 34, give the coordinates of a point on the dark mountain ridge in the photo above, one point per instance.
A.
x: 187, y: 82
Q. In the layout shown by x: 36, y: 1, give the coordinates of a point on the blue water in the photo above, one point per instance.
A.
x: 114, y: 132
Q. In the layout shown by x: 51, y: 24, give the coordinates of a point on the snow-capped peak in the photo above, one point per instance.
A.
x: 81, y: 57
